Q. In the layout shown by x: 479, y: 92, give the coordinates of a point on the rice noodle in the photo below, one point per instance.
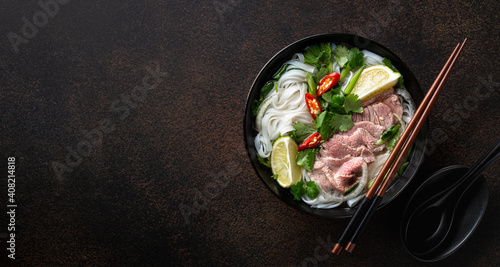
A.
x: 409, y: 106
x: 372, y: 58
x: 286, y: 108
x: 302, y: 66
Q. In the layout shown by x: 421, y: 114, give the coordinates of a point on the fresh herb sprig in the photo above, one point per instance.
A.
x: 338, y: 115
x: 301, y: 132
x: 300, y: 189
x: 390, y: 136
x: 319, y: 56
x: 348, y: 59
x: 305, y: 158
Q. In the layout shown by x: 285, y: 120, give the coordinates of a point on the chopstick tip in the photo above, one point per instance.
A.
x: 350, y: 247
x: 336, y: 249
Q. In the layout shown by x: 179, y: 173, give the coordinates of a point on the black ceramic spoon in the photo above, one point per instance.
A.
x: 429, y: 223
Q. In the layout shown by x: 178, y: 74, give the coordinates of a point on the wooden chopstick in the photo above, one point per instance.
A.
x: 368, y: 205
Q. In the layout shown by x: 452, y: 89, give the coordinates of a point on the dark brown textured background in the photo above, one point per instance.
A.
x: 181, y: 148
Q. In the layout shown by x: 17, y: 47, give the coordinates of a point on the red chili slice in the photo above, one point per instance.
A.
x: 312, y: 141
x: 327, y: 82
x: 313, y: 105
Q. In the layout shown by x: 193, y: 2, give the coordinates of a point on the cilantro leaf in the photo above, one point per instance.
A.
x: 352, y: 103
x: 305, y: 158
x: 331, y: 94
x: 342, y: 122
x: 318, y: 54
x: 298, y: 190
x: 326, y: 58
x: 322, y: 72
x: 312, y: 190
x: 323, y: 124
x: 340, y: 55
x: 336, y: 104
x: 351, y: 59
x: 355, y: 58
x: 328, y: 96
x: 301, y: 132
x: 338, y: 100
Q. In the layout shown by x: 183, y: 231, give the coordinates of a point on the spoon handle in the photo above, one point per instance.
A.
x: 461, y: 184
x: 486, y: 160
x: 477, y: 168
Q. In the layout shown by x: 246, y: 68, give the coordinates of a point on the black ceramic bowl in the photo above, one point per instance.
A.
x: 273, y: 66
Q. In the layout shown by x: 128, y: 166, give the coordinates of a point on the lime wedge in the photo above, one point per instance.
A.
x: 283, y: 161
x: 375, y: 80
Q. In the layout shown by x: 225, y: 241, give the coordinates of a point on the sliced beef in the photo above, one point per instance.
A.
x: 319, y: 176
x: 375, y: 130
x: 341, y: 174
x: 394, y: 104
x: 388, y: 98
x: 336, y: 149
x: 349, y: 174
x: 359, y: 138
x: 319, y: 173
x: 378, y: 98
x: 344, y: 157
x: 378, y: 113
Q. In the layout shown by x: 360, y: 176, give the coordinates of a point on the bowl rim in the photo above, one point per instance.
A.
x: 271, y: 66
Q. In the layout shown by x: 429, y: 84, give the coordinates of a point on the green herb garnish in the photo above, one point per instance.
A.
x: 305, y: 158
x: 266, y: 89
x: 390, y: 136
x: 348, y: 59
x: 323, y: 124
x: 300, y: 189
x: 350, y: 190
x: 301, y: 132
x: 318, y: 55
x: 264, y: 161
x: 352, y: 103
x: 280, y: 72
x: 353, y: 81
x: 342, y: 122
x: 311, y: 84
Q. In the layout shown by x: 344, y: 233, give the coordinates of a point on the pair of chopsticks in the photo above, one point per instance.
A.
x: 369, y: 203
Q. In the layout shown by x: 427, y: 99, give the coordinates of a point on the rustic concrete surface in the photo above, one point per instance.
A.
x: 164, y: 179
